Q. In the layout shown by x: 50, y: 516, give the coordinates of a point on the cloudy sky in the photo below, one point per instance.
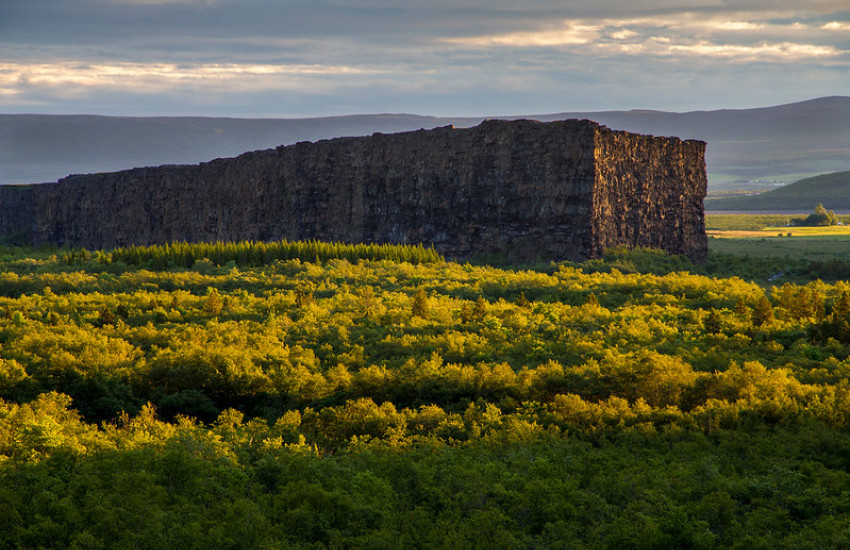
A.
x: 294, y: 58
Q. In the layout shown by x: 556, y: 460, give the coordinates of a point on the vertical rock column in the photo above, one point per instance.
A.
x: 649, y: 191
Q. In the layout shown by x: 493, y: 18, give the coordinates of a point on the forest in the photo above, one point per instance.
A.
x: 321, y: 395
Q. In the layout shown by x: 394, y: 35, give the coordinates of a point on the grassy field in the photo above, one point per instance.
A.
x: 757, y: 222
x: 808, y: 243
x: 772, y: 236
x: 822, y: 233
x: 814, y: 248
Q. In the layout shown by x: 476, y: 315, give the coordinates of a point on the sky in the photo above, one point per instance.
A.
x: 294, y: 58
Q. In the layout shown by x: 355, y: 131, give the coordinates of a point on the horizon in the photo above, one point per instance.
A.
x: 433, y: 116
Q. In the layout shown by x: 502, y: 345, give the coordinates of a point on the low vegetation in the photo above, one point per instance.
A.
x: 819, y: 218
x: 769, y: 223
x: 323, y: 402
x: 779, y: 245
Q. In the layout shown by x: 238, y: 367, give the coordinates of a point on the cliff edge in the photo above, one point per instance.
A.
x: 523, y: 189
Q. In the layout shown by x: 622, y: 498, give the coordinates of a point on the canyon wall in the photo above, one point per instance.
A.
x: 521, y: 190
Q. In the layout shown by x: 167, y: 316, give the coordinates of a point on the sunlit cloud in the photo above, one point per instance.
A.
x: 86, y: 74
x: 680, y: 35
x: 624, y: 34
x: 196, y: 85
x: 569, y: 34
x: 690, y: 21
x: 738, y: 25
x: 836, y: 26
x: 786, y: 51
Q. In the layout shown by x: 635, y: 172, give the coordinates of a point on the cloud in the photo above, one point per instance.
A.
x: 738, y: 25
x: 784, y: 52
x: 623, y: 34
x: 73, y: 81
x: 568, y: 34
x: 836, y: 26
x: 464, y: 56
x: 681, y: 35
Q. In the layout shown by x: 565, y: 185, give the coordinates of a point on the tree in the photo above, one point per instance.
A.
x: 841, y: 309
x: 522, y: 301
x: 212, y: 303
x: 480, y: 309
x: 421, y: 307
x: 712, y: 322
x: 820, y: 217
x: 368, y: 303
x: 106, y: 317
x: 122, y: 311
x: 303, y: 298
x: 466, y: 315
x: 741, y: 308
x: 836, y: 324
x: 762, y: 312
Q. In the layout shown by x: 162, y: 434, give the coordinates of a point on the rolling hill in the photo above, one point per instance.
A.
x: 746, y: 147
x: 833, y: 190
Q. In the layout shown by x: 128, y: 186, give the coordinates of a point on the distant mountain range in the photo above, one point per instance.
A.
x: 832, y: 190
x: 747, y: 148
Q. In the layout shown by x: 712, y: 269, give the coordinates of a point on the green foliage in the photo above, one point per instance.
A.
x: 421, y: 307
x: 820, y: 217
x: 377, y: 403
x: 639, y: 260
x: 765, y: 269
x: 213, y: 303
x: 757, y: 222
x: 249, y: 253
x: 762, y: 311
x: 829, y: 270
x: 835, y: 326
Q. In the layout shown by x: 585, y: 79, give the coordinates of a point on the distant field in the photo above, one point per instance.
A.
x: 815, y: 247
x: 772, y: 236
x: 746, y: 222
x: 775, y: 247
x: 823, y: 233
x: 758, y: 222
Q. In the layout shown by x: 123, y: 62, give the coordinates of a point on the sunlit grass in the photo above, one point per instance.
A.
x: 757, y: 222
x: 775, y: 236
x: 834, y: 231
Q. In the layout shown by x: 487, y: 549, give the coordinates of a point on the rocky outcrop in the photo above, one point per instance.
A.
x: 649, y: 191
x: 522, y: 189
x: 17, y: 215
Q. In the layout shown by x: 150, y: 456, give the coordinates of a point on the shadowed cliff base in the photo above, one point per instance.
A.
x: 526, y: 189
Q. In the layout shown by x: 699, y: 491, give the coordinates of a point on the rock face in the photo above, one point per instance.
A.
x: 520, y: 189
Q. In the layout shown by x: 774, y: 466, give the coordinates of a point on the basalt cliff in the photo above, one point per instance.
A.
x: 519, y: 189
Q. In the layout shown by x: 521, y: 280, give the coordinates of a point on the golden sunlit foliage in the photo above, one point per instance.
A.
x: 347, y: 402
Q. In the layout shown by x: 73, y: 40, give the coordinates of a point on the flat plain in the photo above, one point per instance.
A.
x: 774, y: 236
